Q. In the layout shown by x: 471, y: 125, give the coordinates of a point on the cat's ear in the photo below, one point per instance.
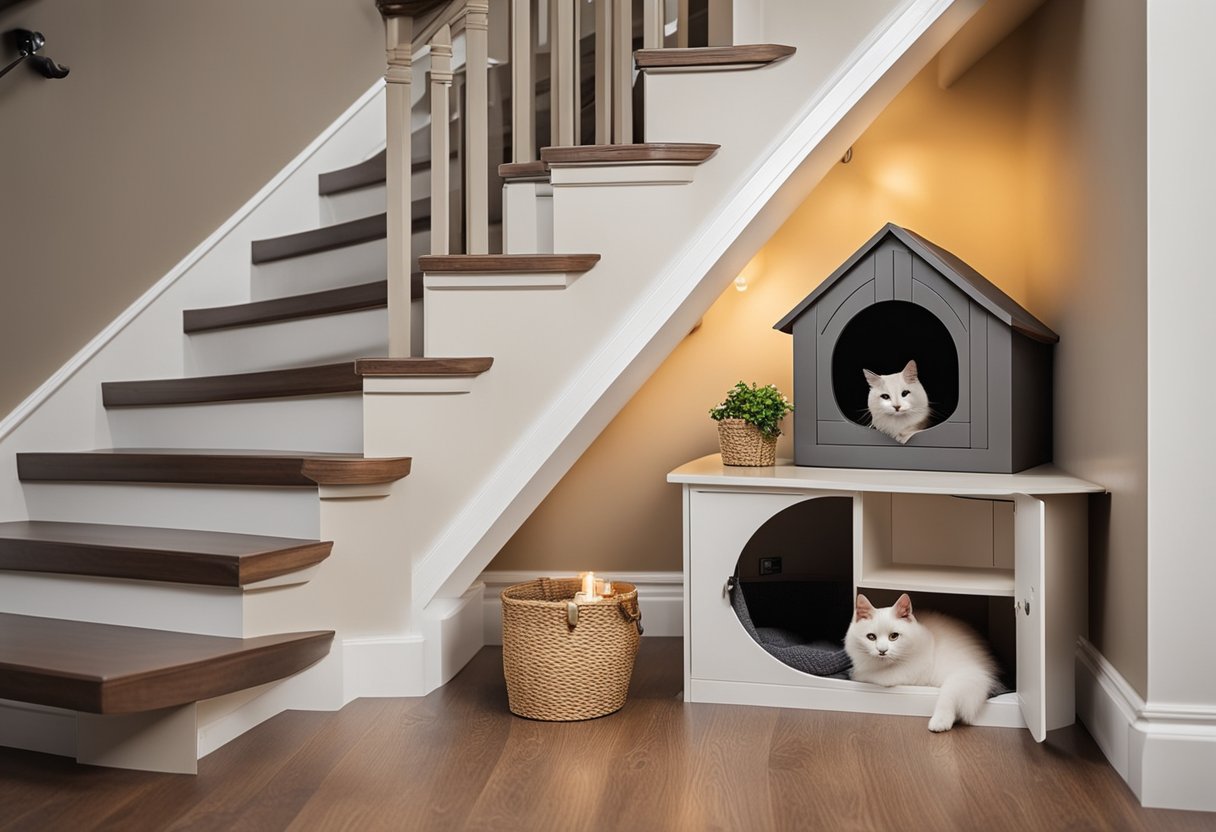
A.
x: 872, y: 379
x: 864, y: 608
x: 910, y: 372
x: 903, y: 607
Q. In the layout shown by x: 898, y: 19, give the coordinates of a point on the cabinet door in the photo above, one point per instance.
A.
x: 1029, y: 566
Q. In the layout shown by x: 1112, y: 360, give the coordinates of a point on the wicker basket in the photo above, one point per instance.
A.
x: 743, y: 444
x: 559, y: 671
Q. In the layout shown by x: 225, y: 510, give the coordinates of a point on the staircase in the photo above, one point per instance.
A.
x: 163, y: 587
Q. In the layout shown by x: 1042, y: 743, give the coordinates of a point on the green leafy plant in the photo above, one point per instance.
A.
x: 763, y: 407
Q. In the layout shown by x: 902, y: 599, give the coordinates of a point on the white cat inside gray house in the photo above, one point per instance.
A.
x: 899, y: 405
x: 891, y: 646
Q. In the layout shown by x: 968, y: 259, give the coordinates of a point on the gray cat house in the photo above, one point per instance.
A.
x: 985, y: 362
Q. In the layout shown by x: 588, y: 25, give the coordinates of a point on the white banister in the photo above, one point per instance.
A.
x: 398, y: 75
x: 441, y: 151
x: 523, y: 90
x: 477, y: 162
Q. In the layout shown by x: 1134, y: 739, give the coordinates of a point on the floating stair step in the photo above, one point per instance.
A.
x: 313, y: 305
x: 608, y: 154
x: 321, y: 380
x: 368, y: 172
x: 365, y: 174
x: 106, y: 669
x: 339, y: 235
x: 325, y: 379
x: 755, y: 54
x: 207, y: 467
x: 505, y: 263
x: 140, y: 553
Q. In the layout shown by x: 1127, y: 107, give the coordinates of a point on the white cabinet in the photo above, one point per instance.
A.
x: 1016, y: 542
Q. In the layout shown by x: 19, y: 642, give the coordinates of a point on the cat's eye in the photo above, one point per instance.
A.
x: 904, y: 394
x: 871, y: 637
x: 885, y: 396
x: 894, y: 636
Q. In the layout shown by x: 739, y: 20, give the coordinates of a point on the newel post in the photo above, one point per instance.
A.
x: 398, y: 32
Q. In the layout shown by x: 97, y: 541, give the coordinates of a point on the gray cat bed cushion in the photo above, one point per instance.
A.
x: 819, y: 658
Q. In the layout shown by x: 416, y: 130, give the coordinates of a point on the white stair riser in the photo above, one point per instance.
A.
x: 217, y: 611
x: 327, y: 339
x: 362, y: 202
x: 346, y: 266
x: 282, y: 512
x: 315, y: 423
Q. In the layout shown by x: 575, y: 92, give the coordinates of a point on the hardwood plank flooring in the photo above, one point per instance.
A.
x: 457, y: 759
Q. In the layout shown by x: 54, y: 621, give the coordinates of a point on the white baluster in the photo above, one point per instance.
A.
x: 561, y: 72
x: 523, y: 91
x: 622, y: 72
x: 652, y: 24
x: 721, y: 23
x: 603, y: 71
x: 682, y: 24
x: 398, y: 31
x: 441, y: 151
x: 477, y: 163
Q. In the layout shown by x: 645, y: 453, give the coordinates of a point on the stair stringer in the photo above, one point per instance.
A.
x: 750, y: 189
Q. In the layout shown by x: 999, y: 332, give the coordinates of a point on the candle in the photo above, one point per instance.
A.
x: 587, y: 594
x: 606, y: 590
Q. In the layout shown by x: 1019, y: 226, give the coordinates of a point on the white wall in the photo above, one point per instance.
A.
x: 1181, y: 306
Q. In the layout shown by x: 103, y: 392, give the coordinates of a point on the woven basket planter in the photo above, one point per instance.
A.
x: 743, y: 444
x: 559, y: 671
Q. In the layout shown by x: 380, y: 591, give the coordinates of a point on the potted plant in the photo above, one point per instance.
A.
x: 749, y: 422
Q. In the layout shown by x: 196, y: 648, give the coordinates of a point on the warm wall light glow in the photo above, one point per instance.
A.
x: 741, y: 283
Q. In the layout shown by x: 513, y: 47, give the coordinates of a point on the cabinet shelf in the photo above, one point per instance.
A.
x: 954, y: 580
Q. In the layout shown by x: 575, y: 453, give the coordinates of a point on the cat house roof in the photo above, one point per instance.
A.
x: 968, y: 280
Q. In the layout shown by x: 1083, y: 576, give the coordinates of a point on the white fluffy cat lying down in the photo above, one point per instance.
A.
x: 891, y: 646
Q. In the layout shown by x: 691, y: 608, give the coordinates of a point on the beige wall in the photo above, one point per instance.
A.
x: 1086, y: 181
x: 173, y: 116
x: 1031, y: 168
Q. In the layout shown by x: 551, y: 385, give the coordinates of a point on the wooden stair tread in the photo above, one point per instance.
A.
x: 153, y: 554
x: 757, y: 54
x: 521, y: 171
x: 422, y: 366
x: 338, y: 235
x: 106, y: 669
x: 319, y: 380
x: 506, y: 263
x: 210, y: 467
x: 315, y: 304
x: 607, y: 154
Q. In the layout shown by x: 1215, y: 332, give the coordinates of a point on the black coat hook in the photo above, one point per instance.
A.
x: 29, y: 43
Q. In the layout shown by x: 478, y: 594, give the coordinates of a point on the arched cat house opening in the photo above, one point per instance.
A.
x: 793, y: 591
x: 985, y: 362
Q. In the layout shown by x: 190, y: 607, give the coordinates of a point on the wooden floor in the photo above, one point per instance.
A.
x: 457, y: 759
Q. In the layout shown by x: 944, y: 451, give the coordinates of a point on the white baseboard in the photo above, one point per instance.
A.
x: 660, y: 596
x: 1166, y: 753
